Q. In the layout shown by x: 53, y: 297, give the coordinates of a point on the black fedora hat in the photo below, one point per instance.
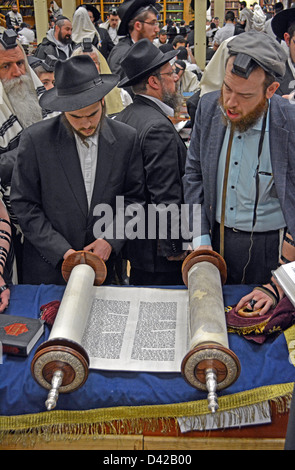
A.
x: 282, y: 21
x: 77, y: 85
x: 93, y: 9
x: 142, y: 58
x: 128, y: 10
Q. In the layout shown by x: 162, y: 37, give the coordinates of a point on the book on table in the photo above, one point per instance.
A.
x: 18, y: 334
x: 285, y: 276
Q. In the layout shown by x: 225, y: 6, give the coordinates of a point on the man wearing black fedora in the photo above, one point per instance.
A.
x: 283, y: 26
x: 154, y: 83
x: 138, y: 20
x: 69, y: 169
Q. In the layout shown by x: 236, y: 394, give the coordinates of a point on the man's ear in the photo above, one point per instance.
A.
x: 154, y: 82
x: 287, y: 39
x: 137, y: 26
x: 270, y: 91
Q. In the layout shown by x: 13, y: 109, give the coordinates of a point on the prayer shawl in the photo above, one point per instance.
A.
x: 84, y: 28
x: 189, y: 82
x: 15, y: 19
x: 10, y: 127
x: 259, y: 18
x: 55, y: 10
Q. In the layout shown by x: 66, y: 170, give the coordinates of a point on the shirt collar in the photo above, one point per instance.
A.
x: 91, y: 140
x: 164, y: 107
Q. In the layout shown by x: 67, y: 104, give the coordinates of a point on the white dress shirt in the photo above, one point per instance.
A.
x: 87, y: 151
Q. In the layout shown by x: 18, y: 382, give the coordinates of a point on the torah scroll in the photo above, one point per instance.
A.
x: 210, y: 364
x: 61, y: 363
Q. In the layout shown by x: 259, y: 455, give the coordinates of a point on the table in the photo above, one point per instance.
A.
x: 130, y: 410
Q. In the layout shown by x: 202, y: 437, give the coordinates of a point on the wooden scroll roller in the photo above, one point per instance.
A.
x: 209, y: 365
x: 60, y: 364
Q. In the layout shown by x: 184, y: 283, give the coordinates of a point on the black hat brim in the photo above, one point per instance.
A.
x: 91, y: 8
x: 282, y: 21
x: 153, y: 66
x: 52, y: 101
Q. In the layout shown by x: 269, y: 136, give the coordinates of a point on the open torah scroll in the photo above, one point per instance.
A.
x: 137, y: 329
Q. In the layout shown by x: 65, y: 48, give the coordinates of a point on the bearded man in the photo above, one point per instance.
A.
x: 20, y: 89
x: 19, y: 93
x: 241, y: 165
x: 13, y: 18
x: 58, y: 41
x: 154, y: 83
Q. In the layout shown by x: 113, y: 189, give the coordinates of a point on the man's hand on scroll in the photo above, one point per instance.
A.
x: 101, y: 248
x: 204, y: 247
x: 254, y: 301
x: 68, y: 253
x: 184, y: 254
x: 179, y: 257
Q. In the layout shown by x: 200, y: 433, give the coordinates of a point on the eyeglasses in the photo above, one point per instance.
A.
x: 178, y: 69
x: 168, y: 73
x: 153, y: 23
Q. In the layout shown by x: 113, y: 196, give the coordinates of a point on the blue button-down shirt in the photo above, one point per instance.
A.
x: 241, y: 188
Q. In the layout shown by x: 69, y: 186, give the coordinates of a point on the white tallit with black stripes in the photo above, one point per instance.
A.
x: 10, y: 127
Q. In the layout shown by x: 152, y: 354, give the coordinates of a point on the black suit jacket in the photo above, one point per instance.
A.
x: 164, y: 155
x: 48, y: 193
x: 117, y: 54
x: 106, y: 44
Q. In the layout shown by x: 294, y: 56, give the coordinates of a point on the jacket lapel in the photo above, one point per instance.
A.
x: 66, y: 151
x: 279, y: 138
x: 104, y: 164
x: 214, y: 149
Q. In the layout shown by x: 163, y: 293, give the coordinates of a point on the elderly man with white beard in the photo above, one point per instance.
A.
x: 20, y: 89
x: 19, y: 105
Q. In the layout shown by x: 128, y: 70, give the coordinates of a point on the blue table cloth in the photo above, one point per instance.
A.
x: 266, y: 374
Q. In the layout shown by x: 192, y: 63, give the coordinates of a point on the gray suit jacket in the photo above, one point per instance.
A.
x: 48, y: 192
x: 203, y: 155
x: 288, y: 79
